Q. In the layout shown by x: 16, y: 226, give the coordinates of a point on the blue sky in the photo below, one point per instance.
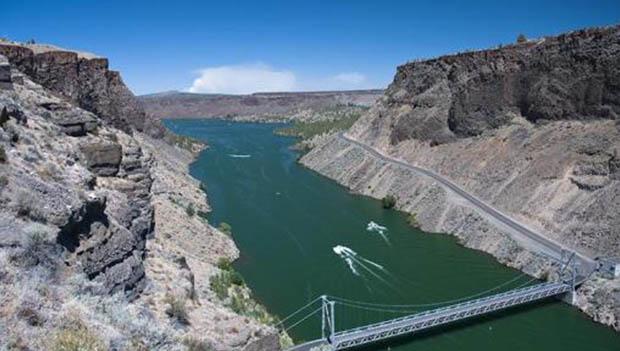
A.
x: 243, y: 46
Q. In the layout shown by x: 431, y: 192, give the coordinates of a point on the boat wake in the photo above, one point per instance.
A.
x: 357, y: 264
x: 239, y: 155
x: 373, y: 227
x: 345, y: 253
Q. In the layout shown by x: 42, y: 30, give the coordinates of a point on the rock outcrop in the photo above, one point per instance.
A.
x: 531, y: 129
x: 574, y: 76
x: 88, y: 198
x: 86, y: 81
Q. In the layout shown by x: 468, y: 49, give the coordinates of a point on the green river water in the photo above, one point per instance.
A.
x: 287, y: 220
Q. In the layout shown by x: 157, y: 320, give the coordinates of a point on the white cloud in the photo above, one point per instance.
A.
x: 351, y: 78
x: 259, y: 77
x: 243, y: 79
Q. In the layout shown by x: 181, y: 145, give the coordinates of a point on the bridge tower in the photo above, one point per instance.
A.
x: 328, y: 320
x: 568, y: 274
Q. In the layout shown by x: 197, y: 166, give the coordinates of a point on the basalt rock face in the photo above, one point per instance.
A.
x: 531, y: 129
x: 575, y: 76
x: 86, y: 82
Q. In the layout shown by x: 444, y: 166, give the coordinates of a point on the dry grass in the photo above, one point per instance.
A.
x: 77, y: 339
x: 49, y: 171
x: 194, y: 344
x: 28, y: 206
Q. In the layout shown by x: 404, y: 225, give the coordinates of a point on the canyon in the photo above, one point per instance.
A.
x: 107, y: 238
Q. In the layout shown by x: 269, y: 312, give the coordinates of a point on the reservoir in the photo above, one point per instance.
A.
x: 302, y: 235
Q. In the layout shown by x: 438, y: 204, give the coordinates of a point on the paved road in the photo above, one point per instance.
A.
x: 541, y: 242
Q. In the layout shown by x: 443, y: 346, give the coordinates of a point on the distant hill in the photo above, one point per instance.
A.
x: 258, y: 106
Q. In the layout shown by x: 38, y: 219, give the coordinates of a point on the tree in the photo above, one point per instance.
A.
x: 389, y: 201
x: 190, y: 210
x: 225, y: 228
x: 521, y: 39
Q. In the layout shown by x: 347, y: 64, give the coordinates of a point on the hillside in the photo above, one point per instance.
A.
x: 531, y: 129
x: 259, y: 106
x: 104, y: 242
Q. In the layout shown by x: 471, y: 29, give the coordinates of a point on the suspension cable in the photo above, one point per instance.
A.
x: 303, y: 319
x: 399, y: 309
x: 281, y: 322
x: 375, y: 309
x: 371, y: 304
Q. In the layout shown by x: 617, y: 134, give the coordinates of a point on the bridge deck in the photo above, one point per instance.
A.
x: 428, y: 319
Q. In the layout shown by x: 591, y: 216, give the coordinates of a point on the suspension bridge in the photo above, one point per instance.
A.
x: 449, y: 311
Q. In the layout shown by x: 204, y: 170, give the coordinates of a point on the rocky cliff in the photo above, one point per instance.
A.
x: 98, y: 247
x: 531, y: 129
x: 84, y: 80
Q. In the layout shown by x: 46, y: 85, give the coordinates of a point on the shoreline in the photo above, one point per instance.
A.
x: 284, y: 338
x: 466, y: 224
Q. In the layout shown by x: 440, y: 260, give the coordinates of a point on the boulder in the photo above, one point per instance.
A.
x: 103, y: 158
x: 72, y: 120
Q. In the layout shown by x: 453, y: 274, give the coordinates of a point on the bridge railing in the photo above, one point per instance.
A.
x: 450, y: 307
x: 437, y: 317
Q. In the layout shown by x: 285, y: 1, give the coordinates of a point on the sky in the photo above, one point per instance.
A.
x: 248, y: 46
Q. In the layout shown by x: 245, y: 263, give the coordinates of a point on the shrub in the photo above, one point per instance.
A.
x: 30, y: 315
x: 176, y: 309
x: 4, y: 181
x: 219, y: 284
x: 4, y: 117
x: 238, y: 304
x: 203, y: 215
x: 27, y: 205
x: 388, y: 201
x: 49, y: 171
x: 412, y: 219
x: 224, y: 264
x: 194, y: 344
x: 236, y: 278
x: 38, y: 250
x: 190, y: 210
x: 225, y: 228
x: 521, y: 39
x: 3, y: 156
x: 16, y: 343
x: 285, y: 341
x: 77, y: 339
